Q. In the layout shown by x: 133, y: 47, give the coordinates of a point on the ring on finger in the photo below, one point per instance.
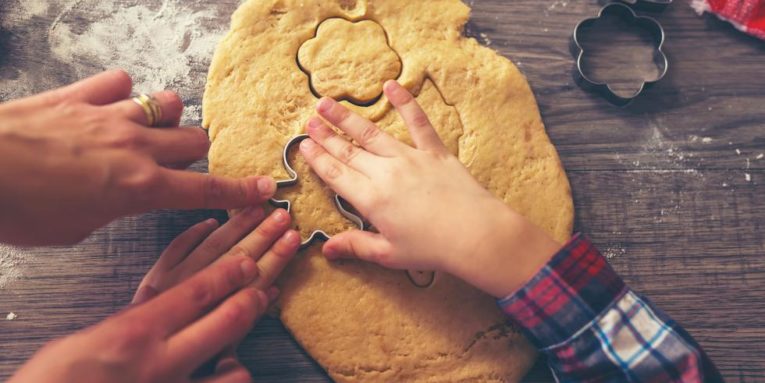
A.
x: 150, y: 107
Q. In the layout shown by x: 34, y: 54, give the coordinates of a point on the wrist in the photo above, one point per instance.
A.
x: 508, y: 252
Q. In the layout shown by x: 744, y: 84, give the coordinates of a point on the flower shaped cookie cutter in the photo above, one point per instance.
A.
x: 629, y: 16
x: 316, y: 235
x: 648, y: 5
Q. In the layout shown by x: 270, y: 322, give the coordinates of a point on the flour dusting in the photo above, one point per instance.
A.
x: 11, y: 316
x: 163, y: 44
x: 160, y: 48
x: 611, y: 252
x: 12, y: 262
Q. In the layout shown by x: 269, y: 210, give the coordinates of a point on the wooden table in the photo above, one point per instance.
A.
x: 670, y: 188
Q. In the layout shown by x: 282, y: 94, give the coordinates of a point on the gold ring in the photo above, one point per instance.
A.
x: 150, y: 107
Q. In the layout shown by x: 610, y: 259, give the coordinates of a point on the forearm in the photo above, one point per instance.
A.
x: 506, y: 241
x: 592, y: 327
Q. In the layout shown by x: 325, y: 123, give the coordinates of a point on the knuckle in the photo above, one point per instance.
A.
x: 201, y: 294
x: 347, y: 153
x: 127, y: 138
x: 342, y: 113
x: 268, y: 229
x: 142, y: 181
x: 131, y: 338
x: 369, y: 134
x: 214, y: 190
x: 239, y: 250
x: 382, y: 257
x: 234, y: 277
x: 332, y: 171
x: 241, y: 312
x: 420, y: 119
x: 69, y: 109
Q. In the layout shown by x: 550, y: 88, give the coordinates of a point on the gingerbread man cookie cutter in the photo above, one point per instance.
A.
x: 421, y: 279
x: 316, y: 235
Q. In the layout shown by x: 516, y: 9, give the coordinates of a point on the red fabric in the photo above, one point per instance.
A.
x: 746, y: 15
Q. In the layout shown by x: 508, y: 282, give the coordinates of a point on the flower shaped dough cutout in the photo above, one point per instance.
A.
x: 625, y: 17
x: 331, y: 54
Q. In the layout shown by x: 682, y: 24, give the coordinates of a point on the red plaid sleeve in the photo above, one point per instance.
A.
x: 593, y: 328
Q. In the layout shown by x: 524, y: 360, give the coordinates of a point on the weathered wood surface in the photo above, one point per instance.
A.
x: 670, y: 188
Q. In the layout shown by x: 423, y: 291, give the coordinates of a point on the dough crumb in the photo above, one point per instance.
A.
x: 760, y: 156
x: 11, y: 316
x: 706, y: 140
x: 748, y: 177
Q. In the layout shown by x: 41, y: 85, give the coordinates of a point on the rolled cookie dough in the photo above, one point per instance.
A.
x: 363, y: 323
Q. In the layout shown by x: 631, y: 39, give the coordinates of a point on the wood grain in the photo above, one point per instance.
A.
x: 659, y: 186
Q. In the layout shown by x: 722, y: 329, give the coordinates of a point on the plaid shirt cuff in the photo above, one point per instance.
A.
x: 566, y: 296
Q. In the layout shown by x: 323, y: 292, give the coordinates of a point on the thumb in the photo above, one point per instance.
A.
x: 357, y: 244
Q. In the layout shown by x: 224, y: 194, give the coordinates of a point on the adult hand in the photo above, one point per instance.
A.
x: 181, y: 317
x: 430, y: 212
x: 73, y: 159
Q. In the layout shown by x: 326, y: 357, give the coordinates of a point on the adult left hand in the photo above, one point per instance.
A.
x: 193, y: 307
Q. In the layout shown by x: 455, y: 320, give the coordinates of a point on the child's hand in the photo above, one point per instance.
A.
x: 430, y: 212
x: 202, y: 297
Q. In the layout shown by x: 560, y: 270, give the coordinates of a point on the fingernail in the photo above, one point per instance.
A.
x: 211, y: 222
x: 325, y: 104
x: 280, y: 216
x: 272, y: 293
x: 314, y: 123
x: 262, y: 298
x: 292, y: 238
x: 307, y: 144
x: 266, y: 186
x: 391, y: 85
x: 249, y: 270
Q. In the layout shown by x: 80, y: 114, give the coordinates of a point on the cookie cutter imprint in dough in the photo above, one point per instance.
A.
x: 293, y: 180
x: 421, y: 279
x: 306, y: 67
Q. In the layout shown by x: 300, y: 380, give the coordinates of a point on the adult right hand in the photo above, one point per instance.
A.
x: 75, y: 158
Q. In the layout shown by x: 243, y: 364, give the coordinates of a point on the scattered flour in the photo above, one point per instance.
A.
x: 667, y: 157
x: 706, y: 140
x: 12, y: 261
x: 485, y: 39
x: 558, y: 4
x: 24, y: 10
x: 760, y: 156
x: 611, y: 252
x: 748, y: 177
x: 167, y: 46
x: 11, y: 316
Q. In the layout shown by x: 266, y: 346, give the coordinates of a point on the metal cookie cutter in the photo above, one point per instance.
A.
x: 648, y: 5
x: 626, y: 13
x: 317, y: 235
x: 421, y: 279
